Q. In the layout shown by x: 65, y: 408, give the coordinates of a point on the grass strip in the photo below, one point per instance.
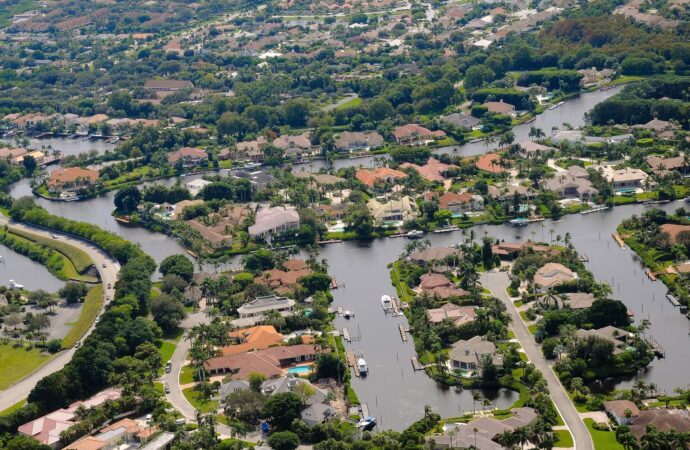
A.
x: 89, y: 312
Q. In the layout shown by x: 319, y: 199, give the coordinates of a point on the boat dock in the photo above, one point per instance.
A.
x: 403, y: 333
x: 619, y: 240
x: 656, y: 347
x: 594, y: 210
x: 674, y: 301
x: 365, y: 409
x: 346, y: 335
x: 650, y: 274
x: 352, y: 361
x: 416, y: 365
x: 396, y: 307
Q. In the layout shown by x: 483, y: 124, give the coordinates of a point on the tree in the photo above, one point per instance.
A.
x: 244, y: 405
x: 42, y: 299
x: 29, y: 163
x: 127, y: 199
x: 330, y: 366
x: 282, y: 409
x: 174, y: 283
x: 177, y: 265
x: 73, y: 292
x: 477, y: 75
x: 296, y: 112
x: 606, y: 312
x: 283, y: 440
x: 443, y: 216
x: 315, y: 282
x: 22, y: 442
x: 256, y: 379
x: 167, y: 312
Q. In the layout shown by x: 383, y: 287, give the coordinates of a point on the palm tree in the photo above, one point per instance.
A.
x: 274, y: 318
x: 536, y: 133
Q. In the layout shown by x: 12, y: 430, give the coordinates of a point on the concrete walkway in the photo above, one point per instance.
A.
x: 20, y: 390
x: 497, y: 283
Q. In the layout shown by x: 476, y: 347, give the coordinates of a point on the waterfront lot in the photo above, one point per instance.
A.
x: 17, y: 362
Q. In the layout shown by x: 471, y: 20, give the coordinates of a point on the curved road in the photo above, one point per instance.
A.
x: 497, y: 283
x: 20, y: 390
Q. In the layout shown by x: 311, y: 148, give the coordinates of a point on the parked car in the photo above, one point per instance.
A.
x: 103, y: 265
x: 110, y: 286
x: 55, y: 236
x: 167, y: 388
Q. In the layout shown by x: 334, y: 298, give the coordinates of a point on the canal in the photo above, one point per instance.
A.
x: 395, y: 394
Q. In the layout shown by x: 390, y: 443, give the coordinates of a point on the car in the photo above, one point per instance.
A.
x: 167, y: 388
x: 149, y: 418
x: 103, y: 265
x: 168, y: 369
x: 110, y: 286
x: 55, y: 236
x: 98, y: 319
x: 77, y: 344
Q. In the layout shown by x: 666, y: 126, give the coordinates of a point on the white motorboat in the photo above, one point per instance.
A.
x: 367, y: 423
x: 362, y: 366
x: 15, y: 285
x: 519, y: 222
x: 414, y: 234
x: 347, y: 314
x: 386, y: 302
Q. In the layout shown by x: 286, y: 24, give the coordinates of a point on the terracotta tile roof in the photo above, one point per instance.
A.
x: 673, y: 230
x: 433, y: 170
x: 254, y: 338
x: 489, y: 162
x: 451, y: 198
x: 369, y: 177
x: 71, y: 175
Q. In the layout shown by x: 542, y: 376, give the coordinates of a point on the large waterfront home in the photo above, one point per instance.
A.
x: 551, y: 275
x: 273, y: 220
x: 467, y: 356
x: 271, y: 362
x: 71, y: 179
x: 253, y: 312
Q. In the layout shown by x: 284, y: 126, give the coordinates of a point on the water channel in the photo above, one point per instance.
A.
x: 393, y: 392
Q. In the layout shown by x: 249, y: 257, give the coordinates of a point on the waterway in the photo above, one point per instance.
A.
x: 72, y: 146
x: 394, y: 393
x: 23, y: 270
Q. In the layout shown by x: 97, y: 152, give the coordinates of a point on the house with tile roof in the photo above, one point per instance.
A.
x: 489, y: 162
x: 348, y: 141
x: 253, y: 338
x: 458, y: 315
x: 273, y: 220
x: 272, y: 362
x: 71, y: 179
x: 415, y: 134
x: 467, y: 355
x: 392, y: 212
x: 433, y: 170
x: 380, y: 174
x: 551, y: 275
x: 190, y: 156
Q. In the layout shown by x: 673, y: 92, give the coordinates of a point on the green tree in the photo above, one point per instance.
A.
x: 177, y: 265
x: 168, y: 312
x: 282, y: 409
x: 283, y: 440
x: 22, y: 442
x: 256, y: 379
x: 73, y: 292
x: 29, y: 163
x: 127, y: 199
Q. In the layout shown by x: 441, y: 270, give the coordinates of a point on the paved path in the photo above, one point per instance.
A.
x: 339, y: 103
x: 21, y: 389
x: 497, y: 283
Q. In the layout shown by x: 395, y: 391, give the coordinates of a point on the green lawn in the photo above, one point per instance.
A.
x: 166, y: 349
x: 564, y: 439
x: 18, y: 362
x: 89, y: 312
x: 350, y: 103
x: 78, y: 257
x: 187, y: 375
x: 13, y: 408
x: 603, y: 440
x: 532, y: 328
x: 204, y: 406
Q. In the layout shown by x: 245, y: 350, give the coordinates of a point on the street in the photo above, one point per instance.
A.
x: 21, y: 389
x: 497, y: 283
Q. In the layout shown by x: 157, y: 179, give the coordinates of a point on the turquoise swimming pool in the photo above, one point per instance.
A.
x: 300, y: 370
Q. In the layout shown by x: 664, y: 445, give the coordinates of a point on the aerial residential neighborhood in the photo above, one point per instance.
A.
x: 344, y: 225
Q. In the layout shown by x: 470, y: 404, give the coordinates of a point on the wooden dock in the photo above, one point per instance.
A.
x: 650, y: 274
x: 365, y: 410
x: 619, y: 240
x: 416, y: 365
x: 352, y: 362
x: 340, y: 310
x: 403, y: 333
x: 396, y: 306
x: 346, y: 335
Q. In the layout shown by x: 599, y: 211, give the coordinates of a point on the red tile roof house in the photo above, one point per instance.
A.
x: 414, y: 134
x: 348, y: 141
x: 460, y: 203
x: 489, y: 162
x: 71, y: 179
x: 370, y: 177
x: 433, y: 170
x: 437, y: 285
x: 271, y: 362
x: 190, y: 156
x: 459, y: 315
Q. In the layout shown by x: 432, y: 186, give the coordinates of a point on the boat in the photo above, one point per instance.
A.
x: 362, y: 366
x: 414, y: 234
x: 474, y: 141
x: 519, y: 222
x: 347, y: 314
x: 386, y: 302
x: 687, y: 199
x: 367, y: 424
x: 15, y: 285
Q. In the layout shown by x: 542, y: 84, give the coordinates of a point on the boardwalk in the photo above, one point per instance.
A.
x: 498, y: 282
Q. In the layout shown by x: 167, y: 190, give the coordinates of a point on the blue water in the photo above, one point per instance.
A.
x: 300, y: 370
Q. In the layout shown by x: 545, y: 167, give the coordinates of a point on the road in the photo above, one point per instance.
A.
x: 497, y: 283
x: 339, y: 103
x: 21, y: 389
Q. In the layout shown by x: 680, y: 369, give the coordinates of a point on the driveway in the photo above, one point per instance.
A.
x: 497, y: 283
x: 108, y: 274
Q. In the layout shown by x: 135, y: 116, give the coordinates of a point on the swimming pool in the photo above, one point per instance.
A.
x: 300, y: 370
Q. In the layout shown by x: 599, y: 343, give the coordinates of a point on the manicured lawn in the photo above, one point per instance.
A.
x: 350, y: 103
x: 603, y: 440
x: 18, y: 362
x: 166, y: 349
x: 186, y: 375
x: 204, y: 406
x: 13, y: 408
x: 79, y: 258
x: 564, y: 439
x: 89, y: 312
x: 532, y: 328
